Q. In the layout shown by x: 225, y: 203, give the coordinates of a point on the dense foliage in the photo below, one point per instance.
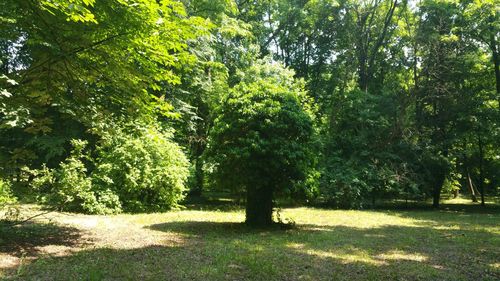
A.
x: 144, y: 168
x: 6, y: 195
x: 260, y: 142
x: 130, y: 105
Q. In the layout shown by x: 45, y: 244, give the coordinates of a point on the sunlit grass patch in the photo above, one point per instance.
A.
x: 401, y: 255
x: 345, y: 256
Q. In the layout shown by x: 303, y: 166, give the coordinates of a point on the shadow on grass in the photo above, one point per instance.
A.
x: 27, y: 238
x: 400, y: 205
x: 449, y: 207
x: 211, y: 203
x: 457, y: 217
x: 233, y: 251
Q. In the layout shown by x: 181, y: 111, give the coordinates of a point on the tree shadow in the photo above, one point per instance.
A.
x: 211, y: 203
x: 465, y: 217
x: 444, y: 207
x: 28, y: 238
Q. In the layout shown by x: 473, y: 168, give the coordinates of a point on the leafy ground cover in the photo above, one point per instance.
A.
x: 454, y: 243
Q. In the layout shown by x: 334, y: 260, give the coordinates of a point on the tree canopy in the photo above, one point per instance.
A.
x: 131, y: 105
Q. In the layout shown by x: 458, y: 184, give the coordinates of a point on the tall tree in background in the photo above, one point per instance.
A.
x: 453, y: 95
x: 483, y: 19
x: 374, y: 23
x: 228, y: 50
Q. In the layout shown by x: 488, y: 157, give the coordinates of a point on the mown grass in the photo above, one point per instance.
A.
x: 453, y: 244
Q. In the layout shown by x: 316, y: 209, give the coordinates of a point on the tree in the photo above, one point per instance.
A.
x: 484, y: 25
x: 373, y: 22
x: 70, y: 69
x: 71, y: 59
x: 453, y: 96
x: 439, y: 90
x: 365, y: 155
x: 261, y: 139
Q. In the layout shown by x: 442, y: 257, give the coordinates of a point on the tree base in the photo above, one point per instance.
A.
x: 259, y: 207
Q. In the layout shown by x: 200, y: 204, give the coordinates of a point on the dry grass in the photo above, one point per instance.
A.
x: 214, y: 245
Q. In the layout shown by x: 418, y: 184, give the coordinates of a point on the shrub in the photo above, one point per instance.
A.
x: 70, y: 188
x: 138, y: 168
x: 144, y: 167
x: 6, y: 196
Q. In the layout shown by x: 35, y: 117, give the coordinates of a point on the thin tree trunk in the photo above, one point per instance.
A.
x: 362, y: 52
x: 481, y: 175
x: 362, y: 71
x: 418, y: 100
x: 381, y: 39
x: 471, y: 188
x: 438, y: 186
x: 496, y: 62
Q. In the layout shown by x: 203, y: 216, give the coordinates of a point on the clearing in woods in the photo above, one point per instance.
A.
x: 457, y: 244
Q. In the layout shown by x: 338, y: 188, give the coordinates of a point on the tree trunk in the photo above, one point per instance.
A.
x: 438, y: 186
x: 440, y: 171
x: 481, y: 174
x: 496, y: 62
x: 259, y: 206
x: 418, y: 103
x: 198, y: 178
x: 471, y: 187
x: 362, y: 75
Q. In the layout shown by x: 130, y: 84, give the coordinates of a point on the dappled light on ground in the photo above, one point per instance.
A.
x: 401, y: 255
x: 347, y: 256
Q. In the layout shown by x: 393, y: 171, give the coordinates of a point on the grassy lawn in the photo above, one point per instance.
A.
x: 213, y: 245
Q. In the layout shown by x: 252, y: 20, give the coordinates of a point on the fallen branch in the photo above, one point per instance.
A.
x: 26, y: 220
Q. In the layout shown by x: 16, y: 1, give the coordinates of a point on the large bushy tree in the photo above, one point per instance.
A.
x: 261, y: 139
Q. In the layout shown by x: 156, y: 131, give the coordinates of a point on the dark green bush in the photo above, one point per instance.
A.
x: 143, y: 167
x: 70, y: 188
x: 134, y: 170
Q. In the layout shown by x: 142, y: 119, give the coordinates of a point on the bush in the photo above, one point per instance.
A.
x: 69, y: 187
x: 143, y: 167
x: 138, y: 169
x: 6, y: 196
x: 343, y: 186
